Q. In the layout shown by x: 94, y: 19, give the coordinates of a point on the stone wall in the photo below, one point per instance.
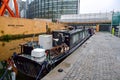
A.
x: 15, y: 26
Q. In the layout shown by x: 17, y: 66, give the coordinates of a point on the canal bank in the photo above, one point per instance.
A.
x: 20, y: 26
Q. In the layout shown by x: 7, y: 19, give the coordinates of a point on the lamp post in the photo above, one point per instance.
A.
x: 111, y: 20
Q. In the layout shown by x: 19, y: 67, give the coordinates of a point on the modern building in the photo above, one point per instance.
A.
x: 52, y: 9
x: 116, y: 18
x: 22, y: 9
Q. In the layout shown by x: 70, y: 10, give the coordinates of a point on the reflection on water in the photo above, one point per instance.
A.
x: 7, y: 48
x: 3, y: 44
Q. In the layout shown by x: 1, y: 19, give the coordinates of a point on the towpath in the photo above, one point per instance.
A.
x: 97, y: 59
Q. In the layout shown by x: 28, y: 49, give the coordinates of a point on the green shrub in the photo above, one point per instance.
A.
x: 6, y: 37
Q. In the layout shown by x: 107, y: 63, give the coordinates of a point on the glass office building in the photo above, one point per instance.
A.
x: 52, y: 9
x: 116, y: 18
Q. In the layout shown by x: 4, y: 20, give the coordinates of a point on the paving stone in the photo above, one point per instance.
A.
x: 97, y: 59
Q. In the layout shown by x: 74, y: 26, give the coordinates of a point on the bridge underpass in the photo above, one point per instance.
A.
x: 102, y: 26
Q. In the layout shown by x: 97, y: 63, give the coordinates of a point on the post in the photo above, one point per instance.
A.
x: 111, y: 21
x: 46, y: 28
x: 111, y: 26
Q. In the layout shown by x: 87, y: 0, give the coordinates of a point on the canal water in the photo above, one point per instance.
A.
x: 8, y: 48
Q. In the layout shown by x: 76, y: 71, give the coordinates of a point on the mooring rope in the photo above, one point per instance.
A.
x: 43, y: 66
x: 5, y: 73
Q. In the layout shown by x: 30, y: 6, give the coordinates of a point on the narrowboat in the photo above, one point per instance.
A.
x: 38, y: 58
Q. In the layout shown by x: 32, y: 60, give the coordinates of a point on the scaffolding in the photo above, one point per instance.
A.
x: 4, y: 6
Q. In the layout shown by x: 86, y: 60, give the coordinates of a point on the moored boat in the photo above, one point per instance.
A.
x: 38, y: 58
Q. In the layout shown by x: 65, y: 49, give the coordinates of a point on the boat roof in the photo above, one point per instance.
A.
x: 68, y: 31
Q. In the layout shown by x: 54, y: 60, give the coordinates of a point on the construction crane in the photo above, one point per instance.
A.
x: 4, y: 6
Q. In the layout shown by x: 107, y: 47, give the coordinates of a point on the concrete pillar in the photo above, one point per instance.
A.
x: 97, y: 28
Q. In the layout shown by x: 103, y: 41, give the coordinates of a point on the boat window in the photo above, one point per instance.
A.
x: 75, y: 38
x: 81, y: 35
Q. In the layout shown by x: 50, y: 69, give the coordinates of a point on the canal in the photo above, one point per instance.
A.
x: 8, y: 48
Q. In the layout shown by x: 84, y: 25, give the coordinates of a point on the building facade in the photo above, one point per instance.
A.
x: 22, y: 8
x: 52, y: 9
x: 116, y: 18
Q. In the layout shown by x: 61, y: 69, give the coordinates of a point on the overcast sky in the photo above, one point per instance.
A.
x: 95, y: 6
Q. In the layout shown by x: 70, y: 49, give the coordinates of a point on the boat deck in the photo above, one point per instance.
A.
x: 97, y: 59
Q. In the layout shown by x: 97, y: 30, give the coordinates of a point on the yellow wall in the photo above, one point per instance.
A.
x: 13, y: 26
x: 97, y: 28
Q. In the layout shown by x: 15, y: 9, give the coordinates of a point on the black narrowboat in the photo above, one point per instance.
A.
x: 64, y: 42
